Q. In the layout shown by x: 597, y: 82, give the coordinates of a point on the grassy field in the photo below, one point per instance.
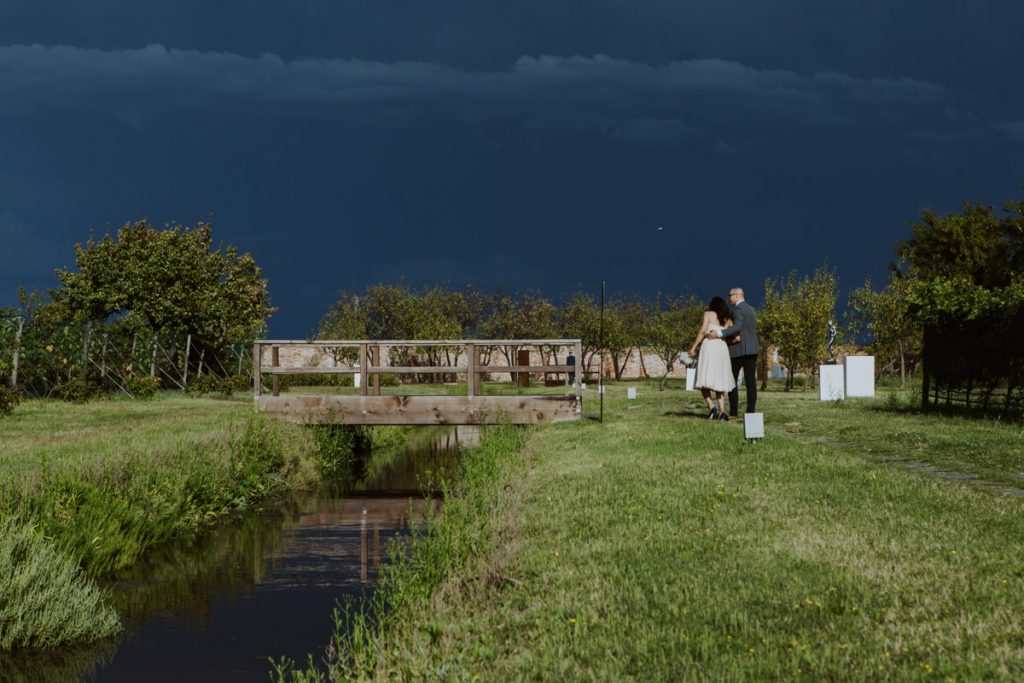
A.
x: 661, y: 546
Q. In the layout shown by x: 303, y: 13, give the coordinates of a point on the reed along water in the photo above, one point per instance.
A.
x: 261, y: 587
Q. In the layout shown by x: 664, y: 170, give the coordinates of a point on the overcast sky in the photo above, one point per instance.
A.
x: 535, y: 144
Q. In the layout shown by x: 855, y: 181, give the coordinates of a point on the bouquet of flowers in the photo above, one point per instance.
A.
x: 687, y: 361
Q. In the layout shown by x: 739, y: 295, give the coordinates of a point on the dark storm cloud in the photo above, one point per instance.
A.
x: 648, y: 104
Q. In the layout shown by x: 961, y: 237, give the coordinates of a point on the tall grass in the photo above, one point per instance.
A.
x: 45, y: 599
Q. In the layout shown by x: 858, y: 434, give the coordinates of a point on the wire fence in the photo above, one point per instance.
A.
x: 44, y: 357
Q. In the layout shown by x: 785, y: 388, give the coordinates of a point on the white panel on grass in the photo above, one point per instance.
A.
x: 630, y: 393
x: 691, y: 379
x: 753, y: 426
x: 860, y: 375
x: 832, y: 387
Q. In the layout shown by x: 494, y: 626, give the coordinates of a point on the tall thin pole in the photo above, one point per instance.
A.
x: 17, y: 351
x: 600, y: 369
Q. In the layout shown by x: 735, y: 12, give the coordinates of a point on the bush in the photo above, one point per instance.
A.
x: 205, y: 384
x: 239, y: 383
x: 9, y: 398
x: 76, y: 390
x: 143, y: 386
x: 45, y: 599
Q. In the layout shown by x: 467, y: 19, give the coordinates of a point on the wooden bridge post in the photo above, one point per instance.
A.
x: 363, y: 376
x: 275, y: 361
x: 471, y: 357
x: 578, y: 352
x: 257, y: 370
x: 375, y: 355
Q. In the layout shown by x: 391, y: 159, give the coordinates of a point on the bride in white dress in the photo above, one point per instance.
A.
x: 714, y: 369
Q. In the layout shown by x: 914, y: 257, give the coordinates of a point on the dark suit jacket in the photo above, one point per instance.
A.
x: 744, y: 323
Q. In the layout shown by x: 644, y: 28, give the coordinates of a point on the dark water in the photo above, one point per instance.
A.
x: 263, y: 587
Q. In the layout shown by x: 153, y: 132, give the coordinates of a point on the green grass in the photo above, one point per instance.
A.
x: 660, y: 546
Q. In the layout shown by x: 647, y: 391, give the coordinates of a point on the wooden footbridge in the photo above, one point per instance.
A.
x: 368, y: 406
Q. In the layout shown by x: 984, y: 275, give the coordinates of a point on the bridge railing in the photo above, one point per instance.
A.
x: 473, y: 408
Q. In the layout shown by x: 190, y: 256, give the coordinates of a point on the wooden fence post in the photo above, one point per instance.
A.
x: 103, y: 357
x: 152, y: 362
x: 363, y: 376
x: 578, y: 352
x: 376, y: 363
x: 257, y: 370
x: 275, y: 361
x: 471, y: 369
x: 85, y: 347
x: 188, y: 352
x: 17, y: 352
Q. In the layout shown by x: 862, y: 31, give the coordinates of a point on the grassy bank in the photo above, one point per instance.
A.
x: 659, y: 546
x: 87, y: 490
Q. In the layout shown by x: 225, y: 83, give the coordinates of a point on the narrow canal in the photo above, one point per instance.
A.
x: 265, y: 586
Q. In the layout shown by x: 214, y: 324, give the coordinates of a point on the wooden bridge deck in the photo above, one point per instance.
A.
x: 370, y: 408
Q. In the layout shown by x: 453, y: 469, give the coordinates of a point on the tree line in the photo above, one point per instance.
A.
x: 953, y: 270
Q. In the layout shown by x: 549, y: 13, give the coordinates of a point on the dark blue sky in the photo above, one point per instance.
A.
x: 351, y: 142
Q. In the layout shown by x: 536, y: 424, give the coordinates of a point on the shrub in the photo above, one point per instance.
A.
x: 76, y: 390
x: 45, y: 599
x: 9, y: 398
x: 205, y: 384
x: 143, y: 386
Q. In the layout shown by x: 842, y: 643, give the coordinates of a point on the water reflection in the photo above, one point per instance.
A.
x: 264, y: 587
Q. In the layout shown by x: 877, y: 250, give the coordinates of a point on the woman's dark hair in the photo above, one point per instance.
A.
x: 718, y: 307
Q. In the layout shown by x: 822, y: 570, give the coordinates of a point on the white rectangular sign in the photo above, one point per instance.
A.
x: 691, y: 379
x: 832, y: 386
x: 860, y: 375
x: 753, y: 425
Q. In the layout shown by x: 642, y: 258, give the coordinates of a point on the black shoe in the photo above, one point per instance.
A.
x: 713, y: 415
x: 724, y: 417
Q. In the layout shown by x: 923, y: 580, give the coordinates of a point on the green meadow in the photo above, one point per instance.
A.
x: 661, y: 546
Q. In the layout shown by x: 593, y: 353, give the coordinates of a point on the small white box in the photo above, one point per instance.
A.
x: 691, y: 379
x: 860, y: 375
x: 832, y: 386
x: 631, y: 393
x: 583, y: 386
x: 753, y: 426
x: 356, y: 378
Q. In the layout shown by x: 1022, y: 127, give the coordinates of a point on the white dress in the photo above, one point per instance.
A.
x: 714, y: 369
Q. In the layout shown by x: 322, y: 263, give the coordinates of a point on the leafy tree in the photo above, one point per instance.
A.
x: 969, y: 270
x: 172, y: 280
x: 625, y: 328
x: 526, y: 316
x: 887, y: 318
x: 673, y: 324
x: 976, y: 245
x: 580, y: 318
x: 794, y: 318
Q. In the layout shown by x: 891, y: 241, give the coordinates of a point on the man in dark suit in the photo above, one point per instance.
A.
x: 743, y: 348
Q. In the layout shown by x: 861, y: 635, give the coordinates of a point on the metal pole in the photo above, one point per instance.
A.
x: 152, y: 362
x: 17, y: 352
